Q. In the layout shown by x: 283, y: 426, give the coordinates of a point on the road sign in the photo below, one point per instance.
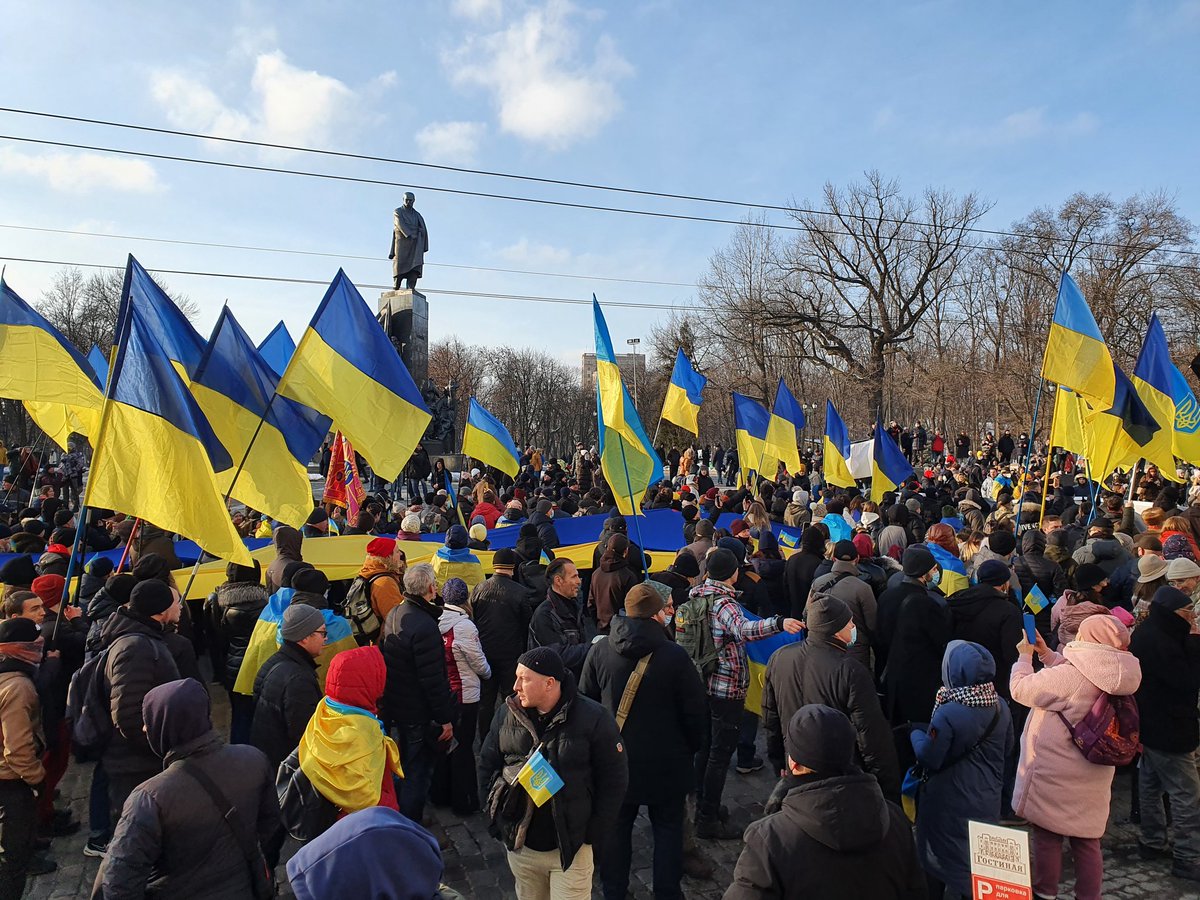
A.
x: 999, y: 863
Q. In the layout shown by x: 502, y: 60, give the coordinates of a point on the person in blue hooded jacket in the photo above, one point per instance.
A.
x: 970, y: 734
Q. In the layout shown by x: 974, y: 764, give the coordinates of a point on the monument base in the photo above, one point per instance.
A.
x: 404, y: 315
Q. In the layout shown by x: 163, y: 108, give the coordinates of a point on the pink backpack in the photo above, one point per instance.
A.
x: 1109, y: 735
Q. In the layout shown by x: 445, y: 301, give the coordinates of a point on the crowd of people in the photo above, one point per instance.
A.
x: 559, y: 696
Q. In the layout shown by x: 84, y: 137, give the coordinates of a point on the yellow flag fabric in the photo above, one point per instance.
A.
x: 345, y: 754
x: 1069, y: 429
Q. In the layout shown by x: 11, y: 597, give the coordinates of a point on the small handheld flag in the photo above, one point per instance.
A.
x: 538, y: 777
x: 1036, y: 599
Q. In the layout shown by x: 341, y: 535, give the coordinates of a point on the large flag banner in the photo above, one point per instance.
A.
x: 787, y: 418
x: 1069, y: 428
x: 179, y: 341
x: 837, y: 449
x: 346, y: 367
x: 750, y: 423
x: 681, y: 406
x: 99, y: 363
x: 486, y: 439
x: 1119, y: 434
x: 1076, y: 355
x: 46, y: 371
x: 629, y: 463
x: 156, y: 453
x: 758, y: 654
x: 277, y: 349
x: 236, y: 389
x: 343, y: 486
x: 889, y: 468
x: 1167, y: 395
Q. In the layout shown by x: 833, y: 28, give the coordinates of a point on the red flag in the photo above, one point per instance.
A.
x: 343, y: 487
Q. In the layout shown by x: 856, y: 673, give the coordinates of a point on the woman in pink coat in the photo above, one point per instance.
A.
x: 1057, y: 790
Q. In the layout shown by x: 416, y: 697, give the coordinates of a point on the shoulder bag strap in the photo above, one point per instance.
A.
x: 979, y: 743
x: 237, y: 824
x: 631, y: 689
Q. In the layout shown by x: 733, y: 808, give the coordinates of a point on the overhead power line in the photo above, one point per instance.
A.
x: 665, y: 195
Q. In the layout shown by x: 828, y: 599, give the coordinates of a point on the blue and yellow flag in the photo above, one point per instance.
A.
x: 277, y: 349
x: 99, y: 364
x: 954, y: 573
x: 487, y: 440
x: 682, y: 403
x: 46, y: 371
x: 265, y: 639
x: 787, y: 418
x: 538, y: 777
x: 750, y: 423
x: 1076, y: 355
x: 1036, y: 600
x: 165, y: 322
x: 156, y: 452
x: 1167, y: 395
x: 629, y: 463
x: 837, y: 449
x: 758, y: 654
x: 1118, y: 436
x: 889, y: 468
x: 1069, y: 427
x: 346, y: 367
x: 236, y: 389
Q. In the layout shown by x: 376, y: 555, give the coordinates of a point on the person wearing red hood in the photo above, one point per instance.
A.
x: 58, y: 552
x: 488, y: 509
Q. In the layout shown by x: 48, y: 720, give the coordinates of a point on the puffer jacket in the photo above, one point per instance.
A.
x: 21, y: 724
x: 503, y: 607
x: 232, y: 611
x: 418, y: 688
x: 465, y: 661
x: 580, y: 741
x: 286, y: 692
x: 546, y: 531
x: 1033, y: 567
x: 1109, y: 555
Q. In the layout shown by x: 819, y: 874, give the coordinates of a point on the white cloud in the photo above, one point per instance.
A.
x: 1027, y: 125
x: 535, y: 254
x: 450, y: 143
x: 477, y: 9
x: 81, y: 173
x: 283, y: 104
x: 545, y: 88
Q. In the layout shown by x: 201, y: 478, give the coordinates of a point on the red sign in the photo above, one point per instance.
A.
x: 983, y: 888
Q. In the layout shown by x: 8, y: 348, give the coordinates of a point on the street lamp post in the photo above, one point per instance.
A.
x: 633, y: 342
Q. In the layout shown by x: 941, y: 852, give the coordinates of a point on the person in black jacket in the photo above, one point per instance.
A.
x: 801, y: 567
x: 543, y: 521
x: 680, y: 576
x: 1033, y: 567
x: 663, y: 730
x: 172, y: 839
x: 986, y: 615
x: 418, y: 693
x: 819, y: 670
x: 1169, y: 650
x: 578, y: 739
x: 232, y: 611
x: 502, y: 608
x: 286, y: 690
x: 559, y: 622
x: 836, y: 837
x: 918, y: 643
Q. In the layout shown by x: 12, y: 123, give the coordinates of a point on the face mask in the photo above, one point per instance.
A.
x: 937, y: 577
x: 853, y: 636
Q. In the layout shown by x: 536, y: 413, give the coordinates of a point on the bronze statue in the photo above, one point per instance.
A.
x: 410, y: 243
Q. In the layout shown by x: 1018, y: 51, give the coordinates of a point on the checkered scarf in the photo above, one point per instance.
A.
x: 982, y: 696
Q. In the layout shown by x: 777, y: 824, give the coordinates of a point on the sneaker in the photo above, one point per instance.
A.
x: 695, y: 865
x: 711, y: 828
x: 40, y: 864
x: 95, y: 849
x: 753, y: 766
x: 1145, y: 851
x: 1188, y: 870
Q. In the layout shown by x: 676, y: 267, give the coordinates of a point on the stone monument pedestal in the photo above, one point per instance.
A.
x: 404, y: 315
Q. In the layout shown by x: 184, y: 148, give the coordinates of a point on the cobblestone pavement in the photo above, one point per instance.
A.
x: 475, y: 865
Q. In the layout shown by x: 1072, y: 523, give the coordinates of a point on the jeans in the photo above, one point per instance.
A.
x: 666, y: 823
x: 712, y: 762
x: 1047, y: 864
x: 99, y: 817
x: 18, y: 810
x: 241, y: 717
x: 455, y: 783
x: 416, y: 758
x: 747, y: 732
x: 416, y: 490
x: 1173, y: 774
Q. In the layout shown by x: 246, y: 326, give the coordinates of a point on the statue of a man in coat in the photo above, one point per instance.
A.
x: 410, y: 243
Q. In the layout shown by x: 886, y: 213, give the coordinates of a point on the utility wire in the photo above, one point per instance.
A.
x: 535, y: 179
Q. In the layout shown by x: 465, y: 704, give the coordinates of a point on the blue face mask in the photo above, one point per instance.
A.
x: 853, y: 636
x: 937, y: 577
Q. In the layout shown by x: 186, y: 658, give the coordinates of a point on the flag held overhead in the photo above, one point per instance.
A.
x: 750, y: 423
x: 1076, y: 355
x: 681, y: 406
x: 486, y: 439
x: 889, y: 468
x: 837, y: 449
x: 277, y: 348
x: 787, y: 418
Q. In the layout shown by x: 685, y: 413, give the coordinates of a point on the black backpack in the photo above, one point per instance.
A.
x: 89, y: 699
x: 364, y: 623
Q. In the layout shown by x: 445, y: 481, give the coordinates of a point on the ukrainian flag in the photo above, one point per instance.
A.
x: 889, y: 468
x: 750, y: 423
x: 682, y: 403
x: 837, y: 449
x: 156, y: 453
x: 629, y: 463
x: 954, y: 573
x: 265, y: 639
x: 758, y: 654
x: 277, y: 349
x: 346, y: 367
x: 1166, y: 394
x: 99, y: 364
x: 45, y: 370
x: 488, y: 441
x: 166, y: 324
x: 236, y: 389
x: 787, y: 418
x: 539, y: 779
x: 1068, y: 429
x: 1076, y: 355
x: 1119, y: 435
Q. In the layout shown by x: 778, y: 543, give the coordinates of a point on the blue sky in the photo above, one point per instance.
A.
x: 1024, y: 103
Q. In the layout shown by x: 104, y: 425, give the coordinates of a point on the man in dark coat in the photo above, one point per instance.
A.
x: 559, y: 622
x: 914, y: 661
x: 286, y: 690
x: 1169, y: 652
x: 819, y: 670
x: 1032, y: 567
x: 139, y: 659
x: 544, y: 523
x: 680, y: 576
x: 231, y: 612
x: 580, y: 741
x: 418, y: 688
x: 836, y: 837
x: 502, y: 608
x: 985, y: 614
x: 801, y: 568
x: 664, y: 728
x: 172, y: 839
x: 918, y: 567
x: 611, y: 581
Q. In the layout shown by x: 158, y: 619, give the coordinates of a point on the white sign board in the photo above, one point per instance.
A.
x: 860, y: 459
x: 999, y: 863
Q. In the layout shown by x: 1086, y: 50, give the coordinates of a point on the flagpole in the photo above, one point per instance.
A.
x: 128, y: 544
x: 635, y: 506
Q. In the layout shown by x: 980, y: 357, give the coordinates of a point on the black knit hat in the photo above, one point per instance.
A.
x: 18, y: 630
x: 151, y: 597
x: 685, y: 564
x: 822, y: 739
x: 505, y: 557
x: 917, y: 561
x: 544, y: 661
x: 721, y: 564
x: 18, y: 570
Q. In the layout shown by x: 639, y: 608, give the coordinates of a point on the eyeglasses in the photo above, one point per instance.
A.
x: 323, y: 632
